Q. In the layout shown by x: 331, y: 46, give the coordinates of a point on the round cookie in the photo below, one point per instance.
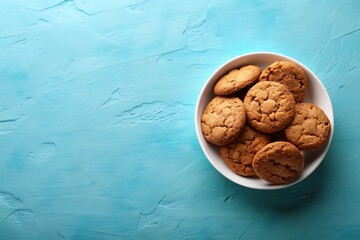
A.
x: 310, y: 127
x: 222, y: 120
x: 278, y: 162
x: 239, y: 155
x: 289, y: 74
x: 269, y: 106
x: 237, y: 79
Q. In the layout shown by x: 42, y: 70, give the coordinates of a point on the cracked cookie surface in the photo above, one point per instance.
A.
x: 269, y: 106
x: 289, y: 74
x: 239, y: 155
x: 237, y: 79
x: 222, y: 120
x: 310, y: 127
x: 278, y: 163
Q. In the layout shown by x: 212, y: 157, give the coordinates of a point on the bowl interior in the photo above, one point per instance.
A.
x: 316, y: 94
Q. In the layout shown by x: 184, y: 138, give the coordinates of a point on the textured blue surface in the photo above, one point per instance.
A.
x: 96, y: 119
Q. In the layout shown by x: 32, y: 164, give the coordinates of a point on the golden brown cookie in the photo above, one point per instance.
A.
x: 222, y: 120
x: 289, y: 74
x: 278, y: 162
x: 239, y: 154
x: 310, y: 127
x: 236, y: 80
x: 269, y: 106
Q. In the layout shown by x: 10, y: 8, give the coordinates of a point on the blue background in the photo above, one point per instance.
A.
x: 97, y: 134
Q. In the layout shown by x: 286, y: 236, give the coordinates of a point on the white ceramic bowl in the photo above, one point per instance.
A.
x: 316, y: 94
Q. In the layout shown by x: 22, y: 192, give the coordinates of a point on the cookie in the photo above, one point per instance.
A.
x: 269, y: 106
x: 237, y: 79
x: 222, y: 120
x: 310, y: 127
x: 289, y: 74
x: 278, y: 162
x: 239, y: 155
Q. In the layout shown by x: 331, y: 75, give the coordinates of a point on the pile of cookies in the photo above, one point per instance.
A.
x: 260, y: 122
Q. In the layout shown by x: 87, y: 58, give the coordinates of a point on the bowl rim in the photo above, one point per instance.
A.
x: 197, y: 117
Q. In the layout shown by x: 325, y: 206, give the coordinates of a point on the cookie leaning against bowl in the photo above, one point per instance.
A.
x: 289, y: 74
x: 310, y: 127
x: 222, y: 120
x: 278, y: 162
x: 237, y: 79
x: 269, y: 106
x: 239, y: 154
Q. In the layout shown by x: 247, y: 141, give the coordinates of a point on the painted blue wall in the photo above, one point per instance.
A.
x: 96, y: 119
